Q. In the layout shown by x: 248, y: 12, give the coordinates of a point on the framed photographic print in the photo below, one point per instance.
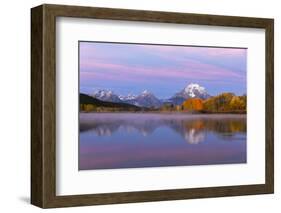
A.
x: 135, y: 106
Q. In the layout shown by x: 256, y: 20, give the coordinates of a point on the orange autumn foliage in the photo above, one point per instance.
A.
x: 193, y: 104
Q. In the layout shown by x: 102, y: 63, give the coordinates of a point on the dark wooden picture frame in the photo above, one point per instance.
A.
x: 43, y: 105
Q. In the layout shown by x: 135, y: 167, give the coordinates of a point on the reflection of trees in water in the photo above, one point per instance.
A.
x: 192, y: 130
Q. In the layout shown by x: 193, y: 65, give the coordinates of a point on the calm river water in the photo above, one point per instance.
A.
x: 134, y: 140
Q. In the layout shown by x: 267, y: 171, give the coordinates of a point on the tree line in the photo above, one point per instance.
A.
x: 222, y: 103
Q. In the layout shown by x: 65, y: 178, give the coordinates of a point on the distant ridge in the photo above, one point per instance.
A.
x: 86, y: 99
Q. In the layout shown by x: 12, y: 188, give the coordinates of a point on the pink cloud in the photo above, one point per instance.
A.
x: 191, y: 69
x: 207, y: 51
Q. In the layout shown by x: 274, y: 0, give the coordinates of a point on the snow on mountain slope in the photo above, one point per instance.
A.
x: 145, y: 99
x: 190, y: 91
x: 106, y: 95
x: 193, y: 91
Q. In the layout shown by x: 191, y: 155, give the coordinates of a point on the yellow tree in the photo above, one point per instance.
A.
x: 237, y: 103
x: 193, y: 104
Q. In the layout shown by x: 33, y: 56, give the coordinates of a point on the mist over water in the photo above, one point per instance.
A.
x: 134, y: 140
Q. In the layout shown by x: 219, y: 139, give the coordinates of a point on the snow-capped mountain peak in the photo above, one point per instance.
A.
x: 106, y: 95
x: 194, y: 89
x: 144, y: 99
x: 102, y: 93
x: 147, y: 99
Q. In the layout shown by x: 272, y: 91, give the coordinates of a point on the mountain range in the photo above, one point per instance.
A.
x: 148, y: 99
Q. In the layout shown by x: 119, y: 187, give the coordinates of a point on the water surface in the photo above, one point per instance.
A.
x: 133, y: 140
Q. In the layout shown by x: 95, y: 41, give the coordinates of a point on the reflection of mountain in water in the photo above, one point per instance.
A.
x: 191, y: 127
